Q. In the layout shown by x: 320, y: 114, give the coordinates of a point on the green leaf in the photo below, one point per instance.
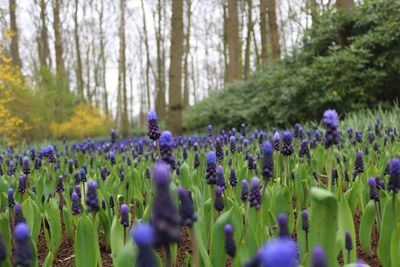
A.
x: 52, y: 213
x: 282, y: 203
x: 386, y: 233
x: 5, y: 232
x: 32, y: 216
x: 217, y: 250
x: 48, y: 261
x: 346, y: 224
x: 126, y: 256
x: 367, y: 222
x: 85, y: 246
x: 116, y: 237
x: 323, y: 222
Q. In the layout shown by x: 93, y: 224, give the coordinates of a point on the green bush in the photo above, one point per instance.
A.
x: 344, y: 62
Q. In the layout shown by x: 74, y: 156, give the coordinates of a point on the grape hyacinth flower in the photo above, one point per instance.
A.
x: 287, y: 148
x: 230, y: 245
x: 164, y: 216
x: 22, y: 183
x: 358, y: 165
x: 82, y: 174
x: 23, y: 249
x: 11, y: 201
x: 268, y: 161
x: 348, y: 244
x: 211, y: 171
x: 276, y: 139
x: 144, y: 237
x: 305, y: 225
x: 196, y: 161
x: 219, y: 148
x: 186, y: 210
x: 26, y: 169
x: 318, y: 257
x: 153, y: 131
x: 3, y: 251
x: 280, y: 252
x: 387, y: 168
x: 304, y: 151
x: 283, y: 225
x: 232, y: 144
x: 394, y: 179
x: 373, y: 192
x: 245, y: 191
x: 255, y: 195
x: 92, y: 200
x: 232, y: 178
x: 18, y: 214
x: 250, y: 163
x: 166, y: 143
x: 77, y: 179
x: 124, y: 213
x: 113, y: 136
x: 71, y: 166
x: 219, y: 201
x: 331, y: 121
x: 76, y: 207
x: 60, y: 184
x: 220, y: 178
x: 47, y: 152
x: 112, y: 158
x: 111, y: 203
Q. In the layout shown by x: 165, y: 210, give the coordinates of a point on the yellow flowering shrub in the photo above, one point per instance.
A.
x: 13, y: 124
x: 85, y: 122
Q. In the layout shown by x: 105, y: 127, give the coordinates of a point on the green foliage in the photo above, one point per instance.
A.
x: 344, y: 62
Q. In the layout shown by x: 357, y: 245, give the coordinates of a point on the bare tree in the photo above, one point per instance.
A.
x: 58, y: 45
x: 16, y: 60
x: 187, y: 52
x: 102, y: 56
x: 122, y: 90
x: 248, y: 40
x: 263, y: 30
x: 43, y: 44
x: 175, y: 70
x: 234, y: 66
x: 78, y: 70
x: 148, y: 62
x: 273, y: 29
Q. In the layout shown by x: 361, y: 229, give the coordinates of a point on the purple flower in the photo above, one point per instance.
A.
x: 112, y: 157
x: 219, y: 201
x: 22, y: 183
x: 60, y: 185
x: 358, y: 164
x: 232, y: 144
x: 268, y: 161
x: 283, y: 225
x: 92, y: 200
x: 220, y: 177
x: 287, y: 148
x: 82, y: 173
x: 186, y: 210
x: 394, y: 180
x: 348, y: 241
x: 331, y: 121
x: 76, y: 207
x: 230, y: 246
x: 196, y: 161
x: 23, y: 249
x: 280, y: 252
x: 219, y: 148
x: 164, y: 216
x: 232, y: 178
x: 276, y: 139
x: 318, y: 257
x: 166, y: 144
x: 113, y: 136
x: 11, y: 201
x: 255, y: 195
x: 144, y: 236
x: 211, y: 172
x: 373, y: 192
x: 124, y: 212
x: 25, y: 167
x: 71, y: 166
x: 305, y: 225
x: 245, y: 191
x: 18, y: 215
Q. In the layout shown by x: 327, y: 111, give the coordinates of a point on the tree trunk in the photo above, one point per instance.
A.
x: 148, y: 62
x: 248, y: 40
x: 234, y: 68
x: 187, y: 52
x: 273, y: 29
x: 79, y: 75
x: 263, y: 30
x: 122, y: 72
x: 314, y: 11
x: 160, y: 105
x: 175, y: 70
x: 16, y: 60
x: 58, y: 46
x: 225, y: 41
x: 88, y: 64
x: 103, y: 59
x: 44, y: 50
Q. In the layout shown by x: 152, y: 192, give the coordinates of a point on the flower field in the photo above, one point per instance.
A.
x: 318, y: 196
